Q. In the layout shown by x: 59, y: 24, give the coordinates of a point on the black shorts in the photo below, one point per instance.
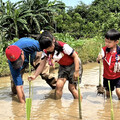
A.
x: 68, y: 71
x: 113, y: 83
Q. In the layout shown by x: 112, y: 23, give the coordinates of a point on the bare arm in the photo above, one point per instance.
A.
x: 76, y: 62
x: 38, y: 70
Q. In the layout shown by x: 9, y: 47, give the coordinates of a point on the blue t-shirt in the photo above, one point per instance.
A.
x: 29, y: 46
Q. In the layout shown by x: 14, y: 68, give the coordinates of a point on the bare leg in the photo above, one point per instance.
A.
x: 20, y: 94
x: 13, y: 87
x: 118, y: 92
x: 73, y: 90
x: 108, y: 94
x: 59, y: 87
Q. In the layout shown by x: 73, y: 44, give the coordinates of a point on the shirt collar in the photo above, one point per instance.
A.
x: 118, y: 49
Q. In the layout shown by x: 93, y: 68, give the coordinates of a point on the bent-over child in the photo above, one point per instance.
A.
x: 18, y: 59
x: 70, y: 67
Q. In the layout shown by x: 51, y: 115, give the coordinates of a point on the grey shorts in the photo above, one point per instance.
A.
x: 68, y: 71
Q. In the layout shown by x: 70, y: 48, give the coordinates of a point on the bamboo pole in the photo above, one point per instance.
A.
x: 100, y: 88
x: 100, y: 64
x: 29, y: 100
x: 79, y: 100
x: 112, y: 113
x: 28, y: 107
x: 29, y: 75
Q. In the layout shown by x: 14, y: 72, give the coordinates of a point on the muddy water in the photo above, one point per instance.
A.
x: 44, y: 107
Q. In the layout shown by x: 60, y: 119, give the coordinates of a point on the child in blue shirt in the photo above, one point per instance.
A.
x: 18, y: 59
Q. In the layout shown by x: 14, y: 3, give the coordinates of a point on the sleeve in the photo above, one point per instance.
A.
x: 43, y: 55
x: 67, y: 49
x: 102, y: 53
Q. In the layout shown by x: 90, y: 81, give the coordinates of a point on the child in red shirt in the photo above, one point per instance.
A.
x: 70, y: 64
x: 110, y: 54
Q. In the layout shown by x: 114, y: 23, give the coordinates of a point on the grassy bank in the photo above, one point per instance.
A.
x: 87, y: 49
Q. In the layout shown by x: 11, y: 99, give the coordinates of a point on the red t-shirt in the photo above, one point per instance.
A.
x: 109, y: 63
x: 64, y: 57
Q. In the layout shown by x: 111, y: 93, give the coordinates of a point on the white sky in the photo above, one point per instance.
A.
x: 72, y: 3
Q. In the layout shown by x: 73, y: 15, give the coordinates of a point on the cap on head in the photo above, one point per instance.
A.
x: 13, y: 52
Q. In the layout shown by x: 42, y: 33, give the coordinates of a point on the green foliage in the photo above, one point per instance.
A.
x: 89, y: 51
x: 4, y: 68
x: 76, y: 26
x: 23, y: 18
x: 68, y: 39
x: 89, y: 20
x: 4, y: 44
x: 27, y: 17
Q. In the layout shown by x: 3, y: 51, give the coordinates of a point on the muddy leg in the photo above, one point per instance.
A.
x: 118, y: 93
x: 59, y: 88
x: 73, y: 90
x: 108, y: 94
x: 13, y: 87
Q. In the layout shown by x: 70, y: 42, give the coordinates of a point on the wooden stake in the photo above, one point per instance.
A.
x: 29, y: 100
x: 112, y: 113
x: 79, y: 100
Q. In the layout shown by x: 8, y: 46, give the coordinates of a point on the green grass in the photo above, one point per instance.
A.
x: 88, y: 52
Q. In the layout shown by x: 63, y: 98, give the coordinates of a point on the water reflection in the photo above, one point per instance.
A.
x: 56, y: 110
x: 44, y: 106
x: 18, y: 111
x: 105, y: 112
